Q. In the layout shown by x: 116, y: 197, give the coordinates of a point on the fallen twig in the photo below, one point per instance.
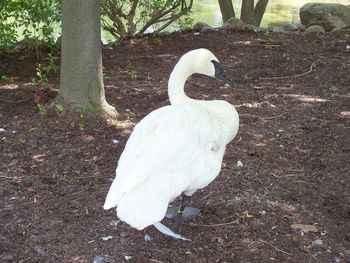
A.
x: 276, y: 248
x: 216, y: 225
x: 273, y: 117
x: 294, y: 76
x: 248, y: 115
x: 156, y: 261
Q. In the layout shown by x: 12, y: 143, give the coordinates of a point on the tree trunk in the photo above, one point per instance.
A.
x: 81, y: 60
x: 226, y: 9
x: 260, y: 10
x: 247, y: 12
x: 251, y: 15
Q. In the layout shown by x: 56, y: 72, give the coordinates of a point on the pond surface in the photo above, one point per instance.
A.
x: 278, y: 12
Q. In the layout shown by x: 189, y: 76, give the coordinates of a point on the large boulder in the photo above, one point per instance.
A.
x: 328, y: 16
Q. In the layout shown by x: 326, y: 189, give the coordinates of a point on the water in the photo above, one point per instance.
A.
x: 278, y: 12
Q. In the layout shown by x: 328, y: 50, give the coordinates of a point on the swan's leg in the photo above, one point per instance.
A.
x: 183, y: 213
x: 185, y: 202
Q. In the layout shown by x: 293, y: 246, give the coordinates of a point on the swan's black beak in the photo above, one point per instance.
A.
x: 220, y: 73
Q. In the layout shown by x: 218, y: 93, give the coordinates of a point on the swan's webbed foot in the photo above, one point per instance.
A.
x: 183, y: 213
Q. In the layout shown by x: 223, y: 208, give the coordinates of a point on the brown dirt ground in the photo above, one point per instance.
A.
x: 293, y: 142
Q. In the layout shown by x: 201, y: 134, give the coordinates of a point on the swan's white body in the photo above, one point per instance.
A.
x: 175, y: 149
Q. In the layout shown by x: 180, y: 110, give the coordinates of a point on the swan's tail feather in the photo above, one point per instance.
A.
x: 167, y: 231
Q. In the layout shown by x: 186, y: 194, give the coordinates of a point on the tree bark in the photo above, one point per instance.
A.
x: 81, y: 80
x: 260, y: 10
x: 251, y: 15
x: 247, y: 12
x: 226, y: 9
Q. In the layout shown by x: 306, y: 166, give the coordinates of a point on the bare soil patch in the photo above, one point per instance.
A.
x: 293, y: 96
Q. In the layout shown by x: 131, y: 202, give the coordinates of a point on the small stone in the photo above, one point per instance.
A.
x: 40, y: 250
x: 103, y: 259
x: 127, y: 258
x: 336, y: 29
x: 256, y: 223
x: 2, y: 130
x: 239, y: 163
x: 164, y: 33
x: 314, y: 30
x: 253, y: 28
x: 347, y: 47
x: 147, y: 238
x: 317, y: 242
x: 8, y: 258
x: 107, y: 238
x: 114, y: 223
x: 277, y: 29
x: 123, y: 234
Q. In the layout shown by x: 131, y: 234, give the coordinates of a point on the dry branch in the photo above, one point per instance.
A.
x: 294, y: 76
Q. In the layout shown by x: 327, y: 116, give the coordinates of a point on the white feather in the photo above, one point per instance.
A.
x: 175, y: 149
x: 167, y: 231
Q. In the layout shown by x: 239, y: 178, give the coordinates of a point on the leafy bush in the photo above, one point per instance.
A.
x: 35, y: 20
x: 124, y: 18
x: 38, y: 21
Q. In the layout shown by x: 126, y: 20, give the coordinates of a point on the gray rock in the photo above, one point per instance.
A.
x: 253, y: 28
x: 207, y: 29
x: 314, y: 29
x: 336, y: 29
x: 103, y: 259
x: 327, y: 15
x: 23, y: 44
x: 164, y: 33
x: 8, y: 258
x: 317, y: 242
x: 277, y: 29
x: 234, y: 23
x: 200, y: 26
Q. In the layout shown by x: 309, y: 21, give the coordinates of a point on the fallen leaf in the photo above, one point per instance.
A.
x: 245, y: 215
x: 305, y: 228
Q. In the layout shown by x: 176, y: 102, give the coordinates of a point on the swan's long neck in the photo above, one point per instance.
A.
x: 176, y: 84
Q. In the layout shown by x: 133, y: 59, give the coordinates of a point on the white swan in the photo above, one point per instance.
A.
x: 174, y: 150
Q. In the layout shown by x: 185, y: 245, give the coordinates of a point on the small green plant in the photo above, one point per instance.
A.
x: 81, y: 126
x: 133, y: 75
x: 81, y: 111
x: 42, y: 71
x: 95, y: 110
x: 129, y: 114
x: 115, y: 123
x: 50, y: 65
x: 246, y: 76
x: 42, y: 77
x: 286, y: 56
x: 3, y: 78
x: 59, y: 107
x: 267, y: 33
x: 42, y: 110
x: 333, y: 88
x: 106, y: 76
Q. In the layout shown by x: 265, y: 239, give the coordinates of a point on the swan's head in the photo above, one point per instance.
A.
x: 204, y: 62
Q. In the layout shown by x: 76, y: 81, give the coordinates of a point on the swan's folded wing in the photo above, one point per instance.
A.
x: 166, y: 140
